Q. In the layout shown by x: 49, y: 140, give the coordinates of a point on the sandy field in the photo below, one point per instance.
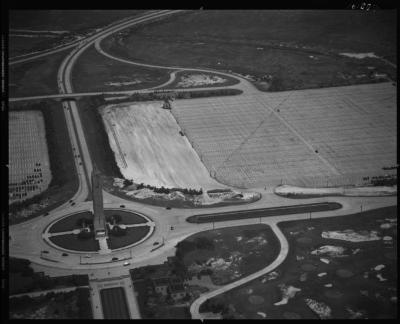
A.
x: 149, y: 148
x: 312, y: 138
x: 29, y: 166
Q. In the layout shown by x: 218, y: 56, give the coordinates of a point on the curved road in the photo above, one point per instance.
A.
x: 26, y: 232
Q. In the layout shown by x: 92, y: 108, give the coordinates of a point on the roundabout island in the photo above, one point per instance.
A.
x: 75, y: 232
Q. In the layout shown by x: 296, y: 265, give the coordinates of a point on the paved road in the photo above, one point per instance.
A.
x: 35, y: 55
x: 84, y: 164
x: 27, y: 241
x: 195, y: 306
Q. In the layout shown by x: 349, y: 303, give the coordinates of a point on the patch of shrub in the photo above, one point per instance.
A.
x: 84, y: 235
x: 204, y: 243
x: 117, y: 231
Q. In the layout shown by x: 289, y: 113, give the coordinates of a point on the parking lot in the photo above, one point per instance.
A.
x: 29, y: 166
x: 315, y: 137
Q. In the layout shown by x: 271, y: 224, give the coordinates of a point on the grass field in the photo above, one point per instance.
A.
x: 361, y: 291
x: 317, y: 137
x: 133, y: 234
x: 35, y: 78
x: 69, y: 21
x: 298, y: 48
x: 23, y: 45
x: 64, y: 182
x: 95, y: 72
x: 69, y: 223
x: 114, y: 303
x: 66, y: 20
x: 126, y: 218
x: 286, y: 210
x: 72, y: 242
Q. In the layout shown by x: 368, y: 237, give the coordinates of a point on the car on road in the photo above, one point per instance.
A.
x: 71, y: 201
x: 126, y: 263
x: 44, y: 251
x: 46, y: 214
x: 114, y: 259
x: 156, y: 243
x: 65, y: 254
x: 87, y: 256
x: 122, y: 206
x: 168, y: 207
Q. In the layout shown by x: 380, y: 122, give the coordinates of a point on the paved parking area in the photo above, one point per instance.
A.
x: 312, y: 137
x: 29, y: 166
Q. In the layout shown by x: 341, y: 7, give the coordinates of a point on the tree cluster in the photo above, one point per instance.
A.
x: 167, y: 190
x: 161, y: 95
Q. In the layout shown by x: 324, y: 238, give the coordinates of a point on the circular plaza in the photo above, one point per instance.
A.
x: 75, y: 232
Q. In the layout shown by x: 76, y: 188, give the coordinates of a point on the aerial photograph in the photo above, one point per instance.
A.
x: 202, y: 163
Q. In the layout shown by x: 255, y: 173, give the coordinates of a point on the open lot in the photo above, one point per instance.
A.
x: 355, y: 280
x: 114, y: 304
x: 298, y: 48
x: 149, y: 148
x: 95, y: 72
x: 19, y: 45
x: 61, y: 24
x: 37, y: 77
x: 29, y: 163
x: 245, y: 141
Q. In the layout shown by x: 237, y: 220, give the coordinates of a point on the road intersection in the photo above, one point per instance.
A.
x: 27, y: 238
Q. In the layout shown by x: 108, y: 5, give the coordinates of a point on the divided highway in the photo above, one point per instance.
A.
x: 84, y: 164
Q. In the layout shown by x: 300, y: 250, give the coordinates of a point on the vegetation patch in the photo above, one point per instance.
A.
x: 96, y: 136
x: 35, y: 78
x: 196, y: 79
x: 22, y: 278
x: 63, y: 26
x: 176, y: 197
x: 274, y: 211
x: 228, y: 254
x: 290, y: 50
x: 62, y: 305
x: 119, y: 238
x: 359, y: 283
x: 202, y: 262
x: 96, y: 72
x: 76, y: 243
